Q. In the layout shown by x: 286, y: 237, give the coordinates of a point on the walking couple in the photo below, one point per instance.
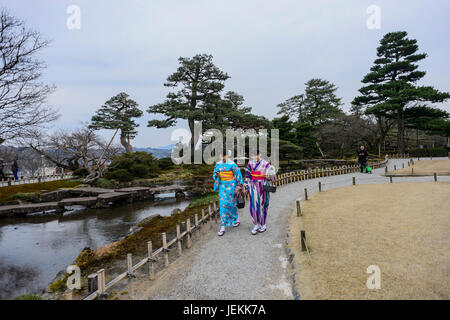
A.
x: 227, y: 178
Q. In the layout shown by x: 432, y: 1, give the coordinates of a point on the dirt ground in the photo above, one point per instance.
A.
x: 424, y: 167
x: 403, y: 228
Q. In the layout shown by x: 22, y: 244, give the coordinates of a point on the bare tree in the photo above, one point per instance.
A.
x: 75, y: 149
x: 23, y: 98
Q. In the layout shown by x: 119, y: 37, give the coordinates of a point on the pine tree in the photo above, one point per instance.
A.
x: 118, y: 113
x: 199, y: 83
x: 316, y: 106
x: 321, y: 102
x: 391, y: 83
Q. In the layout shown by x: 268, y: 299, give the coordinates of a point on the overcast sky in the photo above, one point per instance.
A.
x: 269, y: 48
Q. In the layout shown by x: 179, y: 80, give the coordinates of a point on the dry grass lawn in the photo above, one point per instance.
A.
x: 425, y: 168
x: 403, y: 228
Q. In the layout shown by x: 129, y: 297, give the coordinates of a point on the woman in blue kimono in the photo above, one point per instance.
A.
x: 226, y: 177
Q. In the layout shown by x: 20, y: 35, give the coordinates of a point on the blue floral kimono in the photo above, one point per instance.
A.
x: 226, y: 176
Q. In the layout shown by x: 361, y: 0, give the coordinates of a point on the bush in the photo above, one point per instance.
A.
x: 81, y: 172
x: 122, y: 175
x: 139, y: 170
x: 103, y: 183
x: 165, y: 163
x: 128, y: 166
x: 429, y: 152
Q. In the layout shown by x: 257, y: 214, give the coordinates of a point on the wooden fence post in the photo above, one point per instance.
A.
x: 435, y: 177
x: 299, y: 210
x: 68, y: 294
x: 390, y: 179
x: 320, y: 186
x: 196, y: 221
x: 92, y: 283
x: 203, y: 222
x: 303, y: 239
x: 188, y: 234
x: 101, y: 284
x: 165, y: 250
x: 306, y: 194
x: 130, y: 276
x: 179, y: 239
x: 210, y: 215
x: 151, y: 260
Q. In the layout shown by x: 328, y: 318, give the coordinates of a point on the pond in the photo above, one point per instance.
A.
x: 34, y: 249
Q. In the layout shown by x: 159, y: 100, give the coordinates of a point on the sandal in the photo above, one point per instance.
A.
x: 237, y: 224
x: 262, y: 229
x: 255, y: 230
x: 220, y: 233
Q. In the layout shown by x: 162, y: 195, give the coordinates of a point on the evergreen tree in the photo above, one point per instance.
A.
x: 321, y: 102
x: 118, y: 113
x: 316, y: 106
x: 391, y: 83
x: 199, y: 83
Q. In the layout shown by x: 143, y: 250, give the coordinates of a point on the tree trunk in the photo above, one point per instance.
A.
x: 400, y: 131
x: 192, y: 142
x: 125, y: 143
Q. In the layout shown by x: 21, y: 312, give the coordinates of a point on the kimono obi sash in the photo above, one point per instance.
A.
x: 258, y: 175
x: 226, y: 175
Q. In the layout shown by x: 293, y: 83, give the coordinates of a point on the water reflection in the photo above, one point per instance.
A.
x: 34, y: 249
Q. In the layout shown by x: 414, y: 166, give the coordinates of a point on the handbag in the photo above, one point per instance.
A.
x: 269, y: 187
x: 241, y: 202
x: 240, y: 196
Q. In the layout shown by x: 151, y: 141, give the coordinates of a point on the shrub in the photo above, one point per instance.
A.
x: 127, y: 166
x: 81, y: 172
x: 139, y: 170
x: 429, y: 152
x: 103, y: 183
x: 165, y: 163
x: 122, y: 175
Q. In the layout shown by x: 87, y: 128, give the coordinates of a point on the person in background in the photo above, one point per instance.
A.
x: 2, y: 167
x: 15, y: 169
x: 256, y: 175
x: 362, y: 158
x: 226, y: 176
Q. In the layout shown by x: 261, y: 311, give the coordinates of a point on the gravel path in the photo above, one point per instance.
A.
x: 240, y: 265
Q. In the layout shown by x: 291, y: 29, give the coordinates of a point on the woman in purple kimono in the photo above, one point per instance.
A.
x: 256, y: 175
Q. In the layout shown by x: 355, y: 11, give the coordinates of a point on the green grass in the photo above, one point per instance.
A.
x: 28, y: 296
x: 7, y: 193
x: 204, y: 200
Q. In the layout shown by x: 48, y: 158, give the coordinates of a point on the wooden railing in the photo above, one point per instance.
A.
x: 26, y: 180
x: 299, y: 175
x: 96, y: 282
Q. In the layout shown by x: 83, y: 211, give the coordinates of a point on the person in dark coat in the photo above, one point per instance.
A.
x: 362, y: 158
x: 2, y: 166
x: 15, y: 169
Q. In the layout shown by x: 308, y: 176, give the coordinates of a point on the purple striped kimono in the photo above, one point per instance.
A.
x: 259, y: 199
